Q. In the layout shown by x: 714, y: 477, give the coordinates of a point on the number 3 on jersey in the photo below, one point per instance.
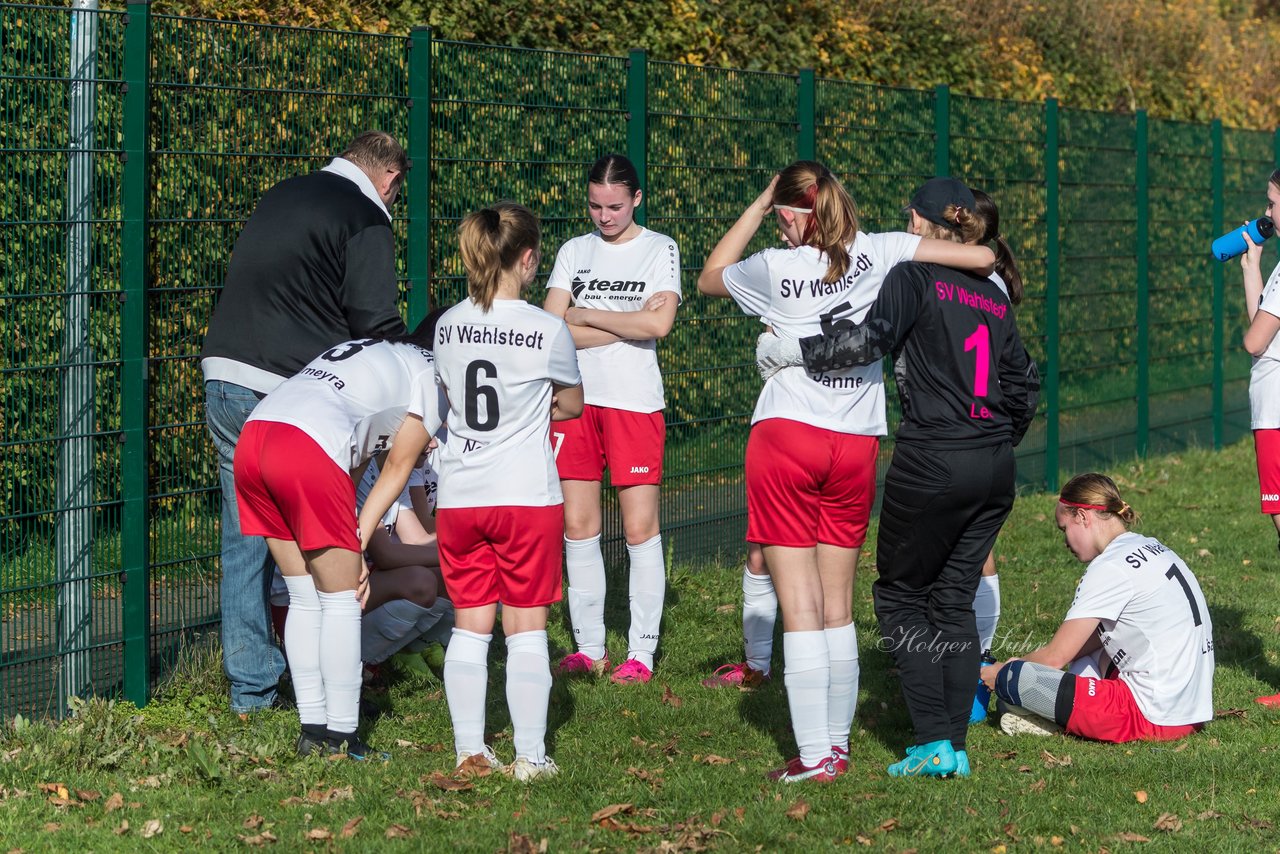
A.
x: 477, y: 391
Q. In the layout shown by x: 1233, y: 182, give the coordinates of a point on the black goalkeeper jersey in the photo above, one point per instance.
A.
x: 963, y: 376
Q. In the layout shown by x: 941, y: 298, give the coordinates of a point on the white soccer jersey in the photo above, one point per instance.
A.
x: 610, y: 277
x: 353, y: 398
x: 784, y: 288
x: 1154, y: 625
x: 1264, y: 378
x: 497, y: 369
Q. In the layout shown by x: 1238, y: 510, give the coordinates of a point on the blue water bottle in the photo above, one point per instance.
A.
x: 1232, y: 243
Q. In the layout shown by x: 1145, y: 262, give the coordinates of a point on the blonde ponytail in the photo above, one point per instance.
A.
x: 491, y: 241
x: 833, y: 221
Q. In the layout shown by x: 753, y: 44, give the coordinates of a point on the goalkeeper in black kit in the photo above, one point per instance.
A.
x: 968, y: 391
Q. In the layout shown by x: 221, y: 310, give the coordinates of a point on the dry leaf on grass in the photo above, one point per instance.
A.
x: 266, y: 837
x: 727, y: 609
x: 475, y: 765
x: 609, y: 811
x: 1056, y: 841
x: 1208, y: 814
x: 153, y: 827
x: 712, y: 759
x: 1037, y: 786
x: 115, y: 802
x: 52, y: 827
x: 319, y: 834
x: 862, y: 840
x: 889, y: 824
x: 1129, y: 836
x: 1051, y: 761
x: 1168, y: 822
x: 1140, y: 796
x: 398, y: 831
x: 253, y: 822
x: 349, y: 829
x: 518, y: 844
x: 669, y: 698
x: 1230, y: 713
x: 447, y: 783
x: 798, y: 810
x: 88, y: 794
x: 328, y: 796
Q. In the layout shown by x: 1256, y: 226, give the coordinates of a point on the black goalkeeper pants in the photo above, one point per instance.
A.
x: 941, y: 513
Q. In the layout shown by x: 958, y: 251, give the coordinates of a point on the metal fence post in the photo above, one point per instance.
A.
x: 941, y: 130
x: 806, y: 116
x: 1219, y: 305
x: 134, y: 538
x: 418, y: 181
x: 1051, y: 262
x: 73, y: 475
x: 1141, y: 226
x: 638, y: 121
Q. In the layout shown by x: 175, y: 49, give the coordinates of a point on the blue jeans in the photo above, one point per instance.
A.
x: 250, y: 656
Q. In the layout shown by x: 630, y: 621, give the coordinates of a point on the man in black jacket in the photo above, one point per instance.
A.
x: 313, y: 267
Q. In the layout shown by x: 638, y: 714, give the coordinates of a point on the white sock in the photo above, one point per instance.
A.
x: 807, y: 674
x: 986, y: 609
x: 340, y: 658
x: 648, y: 591
x: 759, y: 614
x: 386, y: 630
x: 529, y: 693
x: 466, y: 682
x: 584, y: 564
x: 302, y: 644
x: 842, y: 695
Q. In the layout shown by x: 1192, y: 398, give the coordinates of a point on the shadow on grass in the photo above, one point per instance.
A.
x: 1234, y: 645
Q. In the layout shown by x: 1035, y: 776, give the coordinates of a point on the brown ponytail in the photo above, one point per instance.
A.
x: 1097, y: 492
x: 491, y: 241
x: 833, y: 223
x: 985, y: 207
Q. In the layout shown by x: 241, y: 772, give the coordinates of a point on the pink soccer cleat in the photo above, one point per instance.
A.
x: 740, y: 675
x: 631, y: 671
x: 796, y: 771
x: 581, y: 664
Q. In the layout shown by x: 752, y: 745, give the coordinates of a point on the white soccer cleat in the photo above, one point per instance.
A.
x: 1018, y: 721
x: 526, y: 771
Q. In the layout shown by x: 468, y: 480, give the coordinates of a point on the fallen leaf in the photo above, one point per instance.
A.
x: 88, y: 794
x: 1011, y: 831
x: 115, y: 802
x: 327, y: 796
x: 153, y: 827
x: 349, y: 829
x: 443, y: 781
x: 1168, y: 822
x: 999, y: 849
x: 970, y: 810
x: 319, y: 834
x: 726, y: 609
x: 475, y: 765
x: 52, y: 827
x: 863, y: 840
x: 1257, y: 823
x: 889, y: 825
x: 798, y: 810
x: 1051, y: 761
x: 1024, y: 769
x: 253, y: 822
x: 1037, y: 786
x: 1230, y: 713
x: 1140, y: 796
x: 122, y: 829
x: 1056, y: 841
x: 398, y: 831
x: 712, y: 759
x: 1208, y: 814
x: 609, y: 811
x: 1129, y: 836
x: 186, y: 828
x: 400, y: 742
x: 1009, y: 754
x: 518, y: 844
x: 669, y: 698
x: 266, y: 837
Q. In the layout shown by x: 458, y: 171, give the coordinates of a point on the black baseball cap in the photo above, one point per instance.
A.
x: 934, y: 195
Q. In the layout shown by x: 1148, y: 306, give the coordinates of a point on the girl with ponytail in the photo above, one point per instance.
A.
x: 1137, y: 642
x: 508, y: 369
x: 811, y: 456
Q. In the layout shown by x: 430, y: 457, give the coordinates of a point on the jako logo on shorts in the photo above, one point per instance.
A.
x: 639, y: 469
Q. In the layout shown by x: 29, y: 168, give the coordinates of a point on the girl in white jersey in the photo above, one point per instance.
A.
x: 1263, y: 305
x: 293, y: 477
x: 505, y: 367
x: 1137, y: 640
x: 811, y: 456
x: 600, y: 284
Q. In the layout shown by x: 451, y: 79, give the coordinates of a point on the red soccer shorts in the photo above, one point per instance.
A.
x: 1104, y: 710
x: 629, y: 443
x: 510, y: 555
x: 288, y: 488
x: 1266, y: 444
x: 808, y: 485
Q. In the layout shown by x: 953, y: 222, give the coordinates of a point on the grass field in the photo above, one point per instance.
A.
x: 672, y: 766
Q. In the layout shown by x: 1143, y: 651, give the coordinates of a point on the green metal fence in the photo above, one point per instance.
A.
x: 133, y: 146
